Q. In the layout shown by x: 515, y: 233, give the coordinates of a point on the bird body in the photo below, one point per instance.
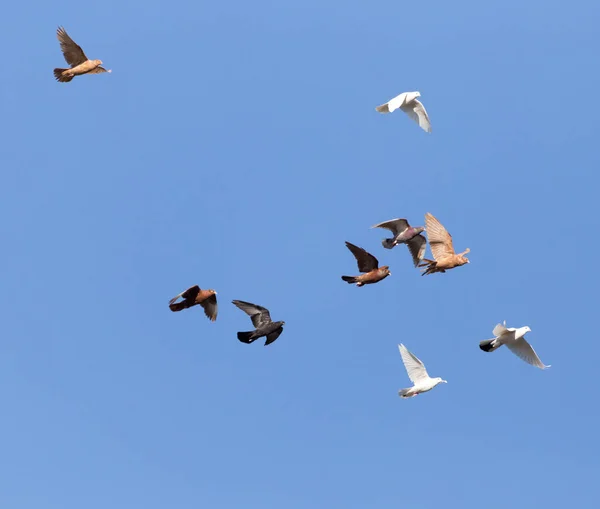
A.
x: 75, y: 57
x: 417, y: 373
x: 261, y: 319
x: 405, y: 234
x: 409, y: 104
x: 194, y: 296
x: 368, y: 264
x: 514, y: 339
x: 440, y: 243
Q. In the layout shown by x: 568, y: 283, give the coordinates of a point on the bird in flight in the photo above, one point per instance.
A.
x: 261, y: 319
x: 417, y: 374
x: 193, y: 296
x: 405, y: 234
x: 440, y: 243
x: 514, y: 339
x: 368, y: 264
x: 410, y: 105
x: 75, y: 57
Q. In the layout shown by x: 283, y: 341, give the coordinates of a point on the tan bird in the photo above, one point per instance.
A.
x: 193, y: 296
x: 440, y: 242
x: 366, y: 263
x: 75, y: 57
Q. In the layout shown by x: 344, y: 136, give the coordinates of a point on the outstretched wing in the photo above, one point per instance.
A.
x: 396, y: 226
x: 525, y: 351
x: 273, y: 336
x: 393, y: 104
x: 189, y: 294
x: 98, y: 70
x: 210, y: 307
x: 366, y: 261
x: 417, y: 246
x: 414, y: 367
x: 72, y: 52
x: 418, y: 113
x: 440, y: 241
x: 258, y: 314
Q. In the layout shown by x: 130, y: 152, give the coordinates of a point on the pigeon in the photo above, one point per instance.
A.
x: 193, y: 296
x: 417, y: 374
x: 514, y: 339
x: 410, y: 105
x: 261, y: 319
x: 75, y: 57
x: 368, y: 264
x: 440, y: 243
x: 405, y: 234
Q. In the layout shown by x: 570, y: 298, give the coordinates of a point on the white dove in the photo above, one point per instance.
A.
x: 410, y: 105
x: 417, y: 374
x: 514, y: 339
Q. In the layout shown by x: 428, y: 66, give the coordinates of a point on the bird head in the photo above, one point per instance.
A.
x: 526, y: 329
x: 99, y: 62
x: 212, y: 292
x: 419, y: 229
x: 385, y: 270
x: 442, y: 381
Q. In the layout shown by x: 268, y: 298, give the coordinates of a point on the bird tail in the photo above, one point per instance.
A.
x: 489, y: 345
x: 403, y: 393
x: 387, y: 243
x: 246, y: 337
x: 58, y: 74
x: 349, y: 279
x: 430, y: 264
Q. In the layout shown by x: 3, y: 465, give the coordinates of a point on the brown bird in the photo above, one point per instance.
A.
x: 75, y: 57
x: 366, y: 263
x: 193, y: 296
x: 440, y: 242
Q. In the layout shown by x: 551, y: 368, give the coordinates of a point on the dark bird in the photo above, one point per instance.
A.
x: 261, y: 319
x: 440, y: 243
x: 366, y: 263
x: 75, y: 57
x: 405, y: 234
x: 193, y: 296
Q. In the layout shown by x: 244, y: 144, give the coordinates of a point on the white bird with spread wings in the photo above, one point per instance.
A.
x: 417, y: 374
x: 409, y: 104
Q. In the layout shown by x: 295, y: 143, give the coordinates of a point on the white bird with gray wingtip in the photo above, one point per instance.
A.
x: 417, y: 374
x: 514, y: 339
x: 410, y: 105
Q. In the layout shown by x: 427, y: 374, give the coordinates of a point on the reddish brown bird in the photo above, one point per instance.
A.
x: 440, y: 242
x: 366, y: 263
x: 193, y: 296
x: 75, y: 57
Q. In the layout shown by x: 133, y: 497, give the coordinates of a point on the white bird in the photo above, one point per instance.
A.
x: 514, y: 339
x: 410, y: 105
x: 417, y: 374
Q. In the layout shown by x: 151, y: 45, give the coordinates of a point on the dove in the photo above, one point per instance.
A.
x: 405, y: 234
x: 417, y: 374
x: 75, y: 57
x: 514, y: 339
x: 368, y: 264
x: 261, y: 319
x: 410, y: 105
x: 193, y: 296
x: 440, y: 243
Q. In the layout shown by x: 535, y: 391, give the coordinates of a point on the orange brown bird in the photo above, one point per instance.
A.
x: 368, y: 264
x: 440, y: 243
x: 75, y: 57
x: 193, y: 296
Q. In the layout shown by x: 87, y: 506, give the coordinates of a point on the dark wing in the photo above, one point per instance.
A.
x: 273, y: 336
x: 396, y: 226
x: 190, y: 293
x: 366, y: 261
x: 98, y: 70
x: 210, y: 307
x: 73, y: 53
x: 258, y: 314
x: 417, y: 246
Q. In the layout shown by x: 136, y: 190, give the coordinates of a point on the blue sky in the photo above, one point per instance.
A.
x: 235, y: 145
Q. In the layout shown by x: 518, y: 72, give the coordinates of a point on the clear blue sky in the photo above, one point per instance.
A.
x: 236, y: 146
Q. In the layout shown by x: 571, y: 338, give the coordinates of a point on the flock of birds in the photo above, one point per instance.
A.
x: 440, y: 244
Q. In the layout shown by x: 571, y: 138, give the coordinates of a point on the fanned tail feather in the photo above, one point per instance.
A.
x: 59, y: 76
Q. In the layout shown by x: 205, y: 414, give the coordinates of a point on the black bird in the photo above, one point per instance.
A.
x: 261, y: 319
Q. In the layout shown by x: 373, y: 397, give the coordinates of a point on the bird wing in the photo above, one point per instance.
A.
x: 190, y: 293
x: 366, y: 261
x: 396, y: 226
x: 273, y: 336
x: 525, y: 351
x: 417, y: 246
x: 418, y: 113
x: 72, y: 52
x: 392, y: 104
x: 414, y: 367
x: 98, y: 70
x: 258, y: 314
x: 500, y: 329
x: 440, y: 241
x: 210, y: 307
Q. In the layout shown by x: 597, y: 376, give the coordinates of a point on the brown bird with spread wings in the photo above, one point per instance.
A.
x: 366, y: 263
x: 193, y: 296
x: 75, y: 57
x: 440, y: 242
